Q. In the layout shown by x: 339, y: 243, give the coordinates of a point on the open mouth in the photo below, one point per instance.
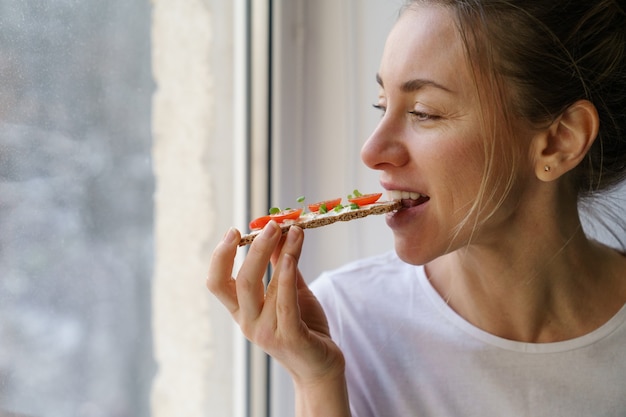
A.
x: 408, y: 198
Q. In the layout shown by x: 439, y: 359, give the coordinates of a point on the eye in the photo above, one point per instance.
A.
x: 422, y: 116
x: 380, y: 107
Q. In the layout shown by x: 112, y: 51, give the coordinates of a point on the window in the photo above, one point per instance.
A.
x: 76, y: 224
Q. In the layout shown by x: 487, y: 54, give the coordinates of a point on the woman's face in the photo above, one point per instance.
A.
x: 429, y: 142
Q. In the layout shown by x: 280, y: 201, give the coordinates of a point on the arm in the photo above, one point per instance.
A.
x: 285, y: 320
x: 327, y: 397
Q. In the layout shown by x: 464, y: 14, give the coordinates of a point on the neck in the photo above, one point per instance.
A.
x: 533, y: 287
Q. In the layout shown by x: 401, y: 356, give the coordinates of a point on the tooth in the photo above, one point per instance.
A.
x: 395, y: 195
x: 403, y: 195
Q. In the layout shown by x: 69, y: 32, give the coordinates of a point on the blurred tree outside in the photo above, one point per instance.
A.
x: 76, y: 209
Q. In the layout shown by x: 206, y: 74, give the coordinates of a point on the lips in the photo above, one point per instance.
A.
x: 408, y: 198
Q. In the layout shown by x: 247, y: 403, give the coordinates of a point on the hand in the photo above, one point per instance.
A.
x: 286, y: 320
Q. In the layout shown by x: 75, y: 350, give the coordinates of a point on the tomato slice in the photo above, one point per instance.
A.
x: 291, y: 214
x: 365, y: 199
x: 259, y: 222
x: 330, y: 204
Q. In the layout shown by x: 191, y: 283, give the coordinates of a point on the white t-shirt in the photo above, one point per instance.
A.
x: 409, y: 354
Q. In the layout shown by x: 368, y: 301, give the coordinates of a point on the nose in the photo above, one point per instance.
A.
x: 385, y: 147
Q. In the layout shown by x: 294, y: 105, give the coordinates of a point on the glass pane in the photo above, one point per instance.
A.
x: 75, y: 207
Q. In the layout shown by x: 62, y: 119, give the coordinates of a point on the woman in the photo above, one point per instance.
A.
x: 498, y: 117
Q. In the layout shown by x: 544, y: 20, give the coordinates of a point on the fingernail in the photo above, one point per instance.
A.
x: 294, y: 234
x: 269, y: 230
x: 229, y: 236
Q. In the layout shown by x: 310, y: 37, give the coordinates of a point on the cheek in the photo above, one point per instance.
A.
x: 461, y: 168
x: 462, y: 165
x: 487, y: 181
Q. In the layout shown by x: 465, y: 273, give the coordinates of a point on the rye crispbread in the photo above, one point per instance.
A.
x: 329, y: 218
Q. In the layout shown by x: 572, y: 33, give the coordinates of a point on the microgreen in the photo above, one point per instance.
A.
x: 301, y: 201
x: 355, y: 194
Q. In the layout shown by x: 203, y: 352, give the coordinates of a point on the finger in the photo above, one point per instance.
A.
x: 291, y: 244
x: 219, y: 279
x: 282, y: 290
x: 250, y: 287
x: 279, y: 248
x: 288, y: 319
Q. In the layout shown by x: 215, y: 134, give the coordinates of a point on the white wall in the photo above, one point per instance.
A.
x: 327, y: 55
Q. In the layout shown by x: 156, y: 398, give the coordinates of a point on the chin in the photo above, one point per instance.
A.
x: 412, y: 254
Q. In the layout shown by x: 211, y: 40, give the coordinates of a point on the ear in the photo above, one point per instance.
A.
x: 560, y: 148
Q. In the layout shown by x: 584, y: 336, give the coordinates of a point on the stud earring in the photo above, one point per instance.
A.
x: 547, y: 168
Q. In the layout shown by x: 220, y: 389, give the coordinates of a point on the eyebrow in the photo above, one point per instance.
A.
x: 415, y: 84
